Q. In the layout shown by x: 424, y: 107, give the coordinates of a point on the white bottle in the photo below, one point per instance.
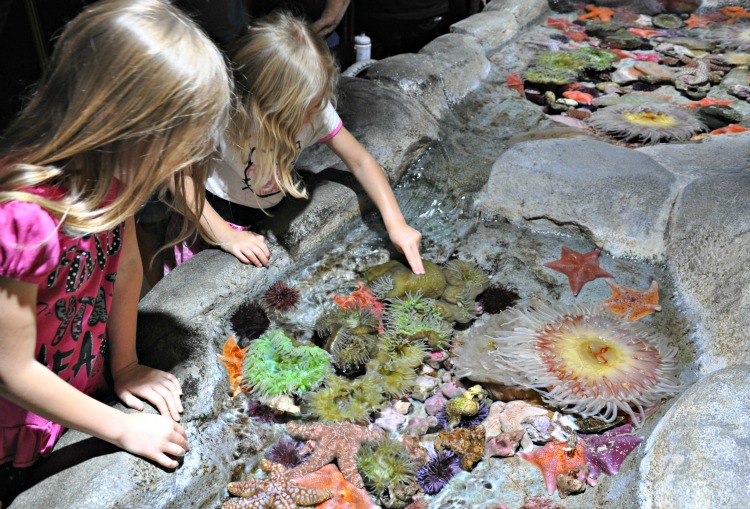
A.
x: 362, y: 45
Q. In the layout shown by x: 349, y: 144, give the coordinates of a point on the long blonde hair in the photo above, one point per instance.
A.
x: 282, y: 68
x: 135, y: 91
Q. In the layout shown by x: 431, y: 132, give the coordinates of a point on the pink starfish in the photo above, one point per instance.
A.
x: 555, y: 458
x: 580, y: 268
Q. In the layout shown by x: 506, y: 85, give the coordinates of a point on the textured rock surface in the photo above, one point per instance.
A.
x: 699, y: 453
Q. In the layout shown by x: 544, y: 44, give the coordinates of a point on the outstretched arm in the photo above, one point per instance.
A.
x: 330, y: 17
x: 368, y: 172
x: 247, y: 247
x: 29, y: 384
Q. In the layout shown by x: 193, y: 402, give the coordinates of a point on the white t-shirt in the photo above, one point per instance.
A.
x: 231, y: 176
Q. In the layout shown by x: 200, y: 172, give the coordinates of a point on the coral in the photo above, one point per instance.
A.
x: 280, y: 297
x: 496, y: 298
x: 467, y: 443
x: 232, y: 357
x: 606, y: 452
x: 338, y: 442
x: 465, y: 281
x: 438, y: 471
x: 581, y: 359
x: 345, y: 494
x: 274, y: 366
x: 465, y: 405
x: 647, y: 122
x: 554, y: 459
x: 579, y: 268
x: 287, y: 452
x: 415, y: 316
x: 385, y: 462
x: 631, y: 304
x: 275, y: 492
x: 250, y: 320
x: 347, y: 400
x: 430, y: 284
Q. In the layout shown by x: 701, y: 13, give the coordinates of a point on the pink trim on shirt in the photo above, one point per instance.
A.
x: 332, y: 133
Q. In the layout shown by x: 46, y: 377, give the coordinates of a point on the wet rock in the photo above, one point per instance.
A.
x: 701, y: 443
x: 525, y: 11
x: 491, y: 28
x: 552, y: 181
x: 706, y: 245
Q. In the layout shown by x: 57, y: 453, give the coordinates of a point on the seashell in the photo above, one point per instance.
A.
x: 465, y: 405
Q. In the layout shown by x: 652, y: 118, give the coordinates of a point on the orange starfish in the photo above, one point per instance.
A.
x: 345, y: 494
x: 555, y: 458
x: 730, y: 129
x: 620, y: 53
x: 575, y: 35
x: 579, y: 97
x: 362, y: 298
x: 631, y: 304
x: 603, y: 14
x: 707, y: 101
x: 232, y: 358
x: 644, y: 33
x: 580, y: 268
x: 515, y: 82
x: 697, y: 21
x: 734, y: 13
x: 560, y: 23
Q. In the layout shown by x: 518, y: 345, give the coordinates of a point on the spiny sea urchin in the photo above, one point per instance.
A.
x: 438, y: 472
x: 580, y: 359
x: 280, y: 296
x: 497, y: 298
x: 647, y: 123
x: 250, y: 320
x: 287, y: 451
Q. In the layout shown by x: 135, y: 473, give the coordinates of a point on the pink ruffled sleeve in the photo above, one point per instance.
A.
x: 29, y: 243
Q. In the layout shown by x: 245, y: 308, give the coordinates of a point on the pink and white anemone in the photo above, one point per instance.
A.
x: 581, y: 359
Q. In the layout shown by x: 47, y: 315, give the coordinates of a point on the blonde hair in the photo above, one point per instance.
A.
x: 135, y: 91
x: 282, y: 68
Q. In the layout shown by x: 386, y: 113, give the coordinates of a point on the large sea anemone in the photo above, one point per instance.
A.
x: 646, y: 123
x: 733, y: 37
x: 384, y: 463
x: 581, y: 360
x: 346, y: 400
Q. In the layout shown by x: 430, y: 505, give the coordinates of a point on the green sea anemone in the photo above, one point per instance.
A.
x: 385, y: 463
x: 549, y: 75
x: 572, y: 61
x: 275, y: 366
x: 342, y: 399
x: 581, y: 359
x: 351, y: 336
x: 647, y: 123
x: 465, y: 281
x: 431, y: 283
x: 396, y: 376
x: 417, y: 317
x: 598, y: 59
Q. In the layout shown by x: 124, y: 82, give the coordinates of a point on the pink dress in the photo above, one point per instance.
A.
x: 75, y: 277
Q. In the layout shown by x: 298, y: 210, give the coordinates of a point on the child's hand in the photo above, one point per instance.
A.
x: 407, y: 239
x: 248, y: 247
x: 159, y: 388
x: 153, y: 437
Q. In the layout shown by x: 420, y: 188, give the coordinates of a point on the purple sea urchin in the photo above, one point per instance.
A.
x: 250, y: 320
x: 281, y: 297
x: 438, y: 472
x: 647, y: 123
x: 287, y: 452
x: 580, y: 359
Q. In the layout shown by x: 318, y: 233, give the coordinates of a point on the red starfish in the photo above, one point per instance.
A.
x: 631, y: 304
x: 734, y: 13
x: 580, y: 268
x: 575, y: 35
x: 561, y: 23
x: 697, y: 21
x: 730, y: 129
x: 515, y: 82
x: 578, y: 96
x: 555, y: 458
x: 345, y: 494
x: 603, y: 14
x: 707, y: 101
x: 232, y: 358
x: 362, y: 298
x: 620, y: 53
x: 645, y: 33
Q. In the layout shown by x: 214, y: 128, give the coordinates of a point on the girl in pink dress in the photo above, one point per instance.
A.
x: 135, y: 95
